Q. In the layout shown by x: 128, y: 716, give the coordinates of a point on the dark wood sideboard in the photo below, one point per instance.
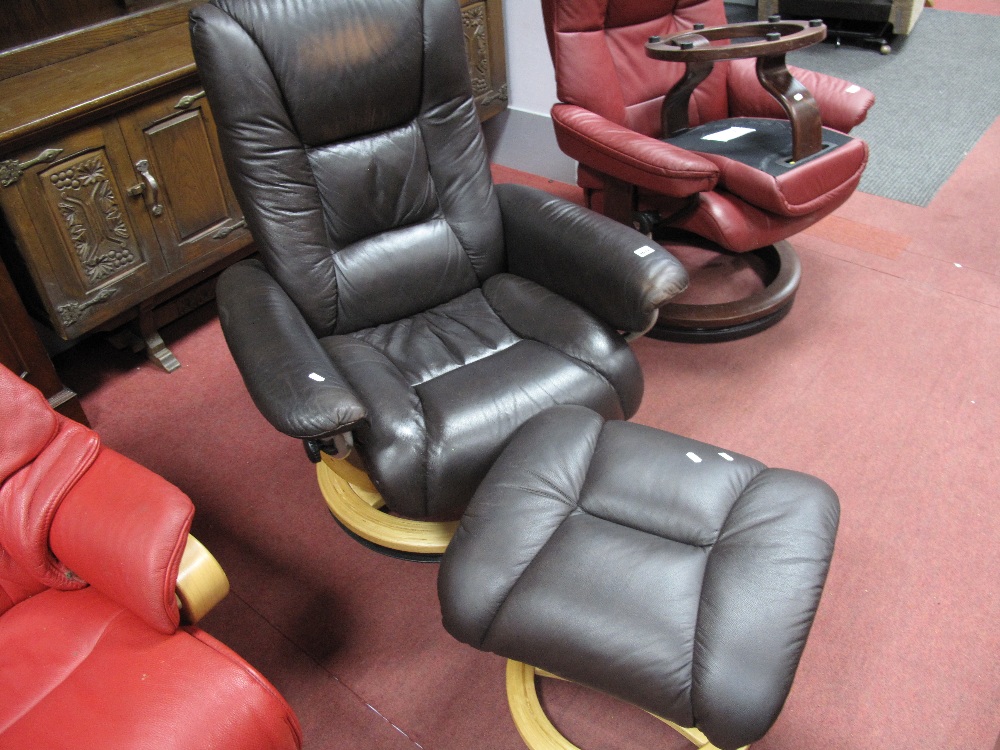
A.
x: 118, y: 214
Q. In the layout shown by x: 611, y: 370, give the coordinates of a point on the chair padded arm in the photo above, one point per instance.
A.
x: 123, y: 529
x: 587, y: 258
x: 288, y: 373
x: 629, y: 155
x: 842, y: 105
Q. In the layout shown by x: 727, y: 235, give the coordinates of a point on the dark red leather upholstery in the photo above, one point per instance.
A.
x: 609, y: 119
x: 91, y: 655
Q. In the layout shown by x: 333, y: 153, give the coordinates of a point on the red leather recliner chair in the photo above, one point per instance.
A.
x: 643, y: 157
x: 96, y: 567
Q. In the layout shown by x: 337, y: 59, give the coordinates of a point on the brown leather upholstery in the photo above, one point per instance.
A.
x: 401, y: 295
x: 661, y: 570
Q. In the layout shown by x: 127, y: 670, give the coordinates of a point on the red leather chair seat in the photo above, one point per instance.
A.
x: 79, y: 671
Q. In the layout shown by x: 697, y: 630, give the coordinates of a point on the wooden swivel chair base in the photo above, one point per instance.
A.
x: 357, y: 506
x: 780, y: 272
x: 534, y: 726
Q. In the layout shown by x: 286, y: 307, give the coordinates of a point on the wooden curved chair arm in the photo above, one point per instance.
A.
x: 768, y: 42
x: 201, y: 582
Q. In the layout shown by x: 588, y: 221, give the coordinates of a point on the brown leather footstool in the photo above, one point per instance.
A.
x: 660, y: 570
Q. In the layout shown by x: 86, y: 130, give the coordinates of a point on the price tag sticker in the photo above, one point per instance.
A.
x: 729, y: 134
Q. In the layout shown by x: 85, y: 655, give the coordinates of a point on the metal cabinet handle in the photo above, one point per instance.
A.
x: 142, y: 167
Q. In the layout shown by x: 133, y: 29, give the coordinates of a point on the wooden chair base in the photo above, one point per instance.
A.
x: 727, y: 321
x: 356, y: 505
x: 534, y: 726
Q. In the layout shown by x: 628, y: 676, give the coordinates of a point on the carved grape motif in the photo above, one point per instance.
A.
x: 477, y: 47
x: 93, y: 218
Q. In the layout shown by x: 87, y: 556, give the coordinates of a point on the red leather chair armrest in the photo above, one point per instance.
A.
x: 842, y: 105
x: 123, y: 529
x: 630, y: 156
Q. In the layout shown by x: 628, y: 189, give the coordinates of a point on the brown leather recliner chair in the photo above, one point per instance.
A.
x: 635, y: 110
x: 403, y: 304
x: 97, y: 573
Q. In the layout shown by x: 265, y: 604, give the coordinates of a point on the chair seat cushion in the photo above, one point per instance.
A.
x: 661, y: 570
x: 753, y: 156
x: 79, y: 671
x: 445, y: 389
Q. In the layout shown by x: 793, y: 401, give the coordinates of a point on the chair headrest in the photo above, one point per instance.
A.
x: 633, y: 12
x: 342, y: 68
x: 27, y: 423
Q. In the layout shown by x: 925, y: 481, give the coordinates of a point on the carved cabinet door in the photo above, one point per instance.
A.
x: 482, y: 21
x: 174, y: 150
x: 86, y: 241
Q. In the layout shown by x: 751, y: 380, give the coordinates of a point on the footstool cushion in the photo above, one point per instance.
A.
x: 658, y: 569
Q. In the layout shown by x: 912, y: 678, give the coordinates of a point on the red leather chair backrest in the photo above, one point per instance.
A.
x: 598, y: 50
x: 41, y: 454
x: 28, y: 424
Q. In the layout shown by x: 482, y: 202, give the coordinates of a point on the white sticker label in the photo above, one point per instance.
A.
x: 694, y: 457
x: 798, y: 97
x: 727, y: 456
x: 729, y: 134
x: 317, y: 378
x: 645, y: 250
x: 853, y: 89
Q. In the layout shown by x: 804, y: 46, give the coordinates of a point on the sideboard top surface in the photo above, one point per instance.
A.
x: 41, y: 100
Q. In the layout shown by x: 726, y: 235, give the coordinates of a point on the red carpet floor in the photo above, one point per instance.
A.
x: 883, y: 380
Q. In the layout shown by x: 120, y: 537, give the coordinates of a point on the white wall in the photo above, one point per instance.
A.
x: 530, y: 78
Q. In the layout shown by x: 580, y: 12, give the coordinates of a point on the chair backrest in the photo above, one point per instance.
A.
x: 352, y: 141
x: 31, y: 489
x: 598, y: 51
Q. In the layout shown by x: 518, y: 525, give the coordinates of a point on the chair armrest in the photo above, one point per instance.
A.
x: 122, y: 529
x: 631, y: 156
x: 201, y: 582
x: 286, y: 370
x: 842, y: 105
x: 587, y: 258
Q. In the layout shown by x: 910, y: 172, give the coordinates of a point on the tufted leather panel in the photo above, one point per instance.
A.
x: 600, y: 551
x: 353, y: 99
x: 452, y: 384
x: 365, y: 52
